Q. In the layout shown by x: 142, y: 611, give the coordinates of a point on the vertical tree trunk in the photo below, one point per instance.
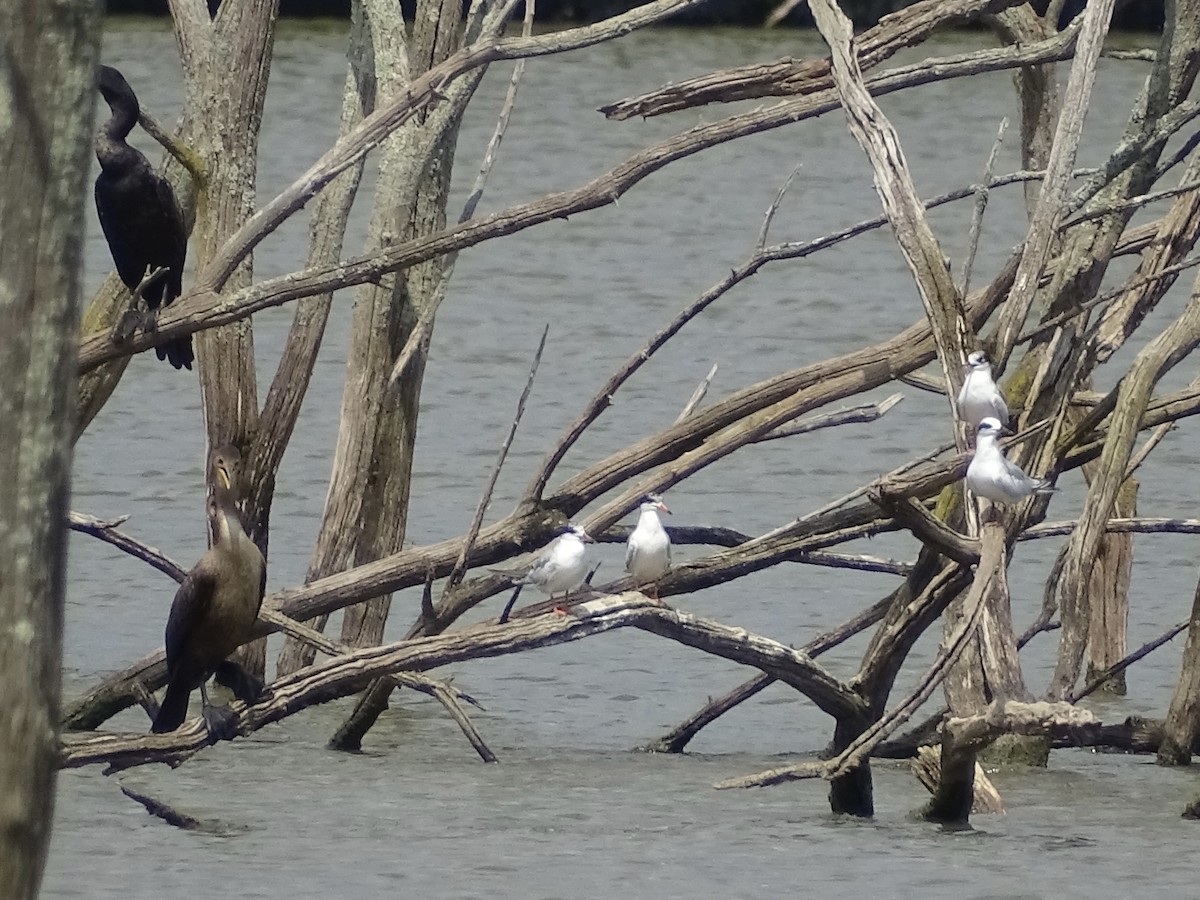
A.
x: 1087, y: 251
x: 1109, y: 595
x: 1037, y: 92
x: 366, y: 511
x: 1183, y: 718
x: 48, y: 52
x: 386, y: 494
x: 238, y: 40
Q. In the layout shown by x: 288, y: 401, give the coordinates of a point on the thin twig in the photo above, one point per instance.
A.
x: 107, y: 532
x: 418, y: 339
x: 1042, y: 231
x: 1156, y: 438
x: 1121, y: 525
x: 981, y: 202
x: 697, y: 395
x: 187, y: 158
x: 990, y: 562
x: 1122, y: 664
x: 780, y: 12
x: 428, y: 613
x: 1138, y: 55
x: 493, y: 147
x: 440, y: 690
x: 922, y: 382
x: 786, y: 251
x: 854, y: 494
x: 1132, y: 203
x: 774, y: 208
x: 1053, y: 323
x: 460, y: 566
x: 863, y: 413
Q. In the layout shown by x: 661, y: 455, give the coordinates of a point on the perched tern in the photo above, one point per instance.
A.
x: 558, y: 568
x: 979, y: 397
x: 648, y: 550
x: 992, y: 475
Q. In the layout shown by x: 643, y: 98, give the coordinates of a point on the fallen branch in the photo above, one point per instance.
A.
x: 349, y: 673
x: 788, y: 77
x: 107, y: 532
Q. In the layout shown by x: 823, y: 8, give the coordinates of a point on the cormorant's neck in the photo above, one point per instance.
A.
x: 226, y: 522
x: 124, y: 107
x: 112, y: 150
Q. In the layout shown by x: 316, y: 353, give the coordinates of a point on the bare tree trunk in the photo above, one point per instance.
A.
x: 1183, y: 718
x: 1087, y: 252
x: 238, y: 40
x: 1037, y: 92
x: 47, y: 98
x: 367, y: 508
x: 1109, y: 593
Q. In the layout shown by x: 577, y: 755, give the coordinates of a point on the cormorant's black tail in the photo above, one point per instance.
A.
x: 178, y: 353
x: 174, y: 708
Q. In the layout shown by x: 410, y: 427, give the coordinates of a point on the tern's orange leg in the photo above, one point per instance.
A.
x: 560, y: 610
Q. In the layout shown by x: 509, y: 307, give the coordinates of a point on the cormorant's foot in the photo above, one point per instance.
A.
x: 246, y: 687
x: 221, y: 722
x: 128, y: 324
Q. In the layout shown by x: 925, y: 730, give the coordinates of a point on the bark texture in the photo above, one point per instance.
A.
x: 48, y: 52
x: 1183, y: 719
x: 367, y: 506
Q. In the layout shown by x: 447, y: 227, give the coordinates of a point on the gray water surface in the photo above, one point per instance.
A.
x: 570, y: 811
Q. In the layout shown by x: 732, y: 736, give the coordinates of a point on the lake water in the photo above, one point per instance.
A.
x: 570, y: 811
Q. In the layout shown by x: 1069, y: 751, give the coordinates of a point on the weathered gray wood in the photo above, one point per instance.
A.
x: 331, y: 211
x: 894, y: 184
x: 239, y: 40
x: 1178, y: 232
x: 1182, y: 336
x: 1182, y: 726
x: 425, y: 153
x: 788, y: 77
x: 528, y: 529
x: 346, y: 674
x: 676, y: 740
x: 964, y: 738
x: 927, y: 766
x: 1042, y: 233
x: 47, y: 99
x: 854, y: 739
x: 1109, y: 593
x: 1037, y: 91
x: 1048, y: 382
x: 203, y: 307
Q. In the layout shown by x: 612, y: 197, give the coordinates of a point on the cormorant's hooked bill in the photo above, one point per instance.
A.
x: 139, y: 215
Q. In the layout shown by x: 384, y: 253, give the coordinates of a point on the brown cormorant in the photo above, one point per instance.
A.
x: 138, y: 212
x: 215, y: 608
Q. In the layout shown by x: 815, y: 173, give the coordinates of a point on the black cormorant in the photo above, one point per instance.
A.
x: 215, y: 608
x: 138, y: 212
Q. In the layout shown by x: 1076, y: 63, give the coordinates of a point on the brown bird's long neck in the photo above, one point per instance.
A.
x: 225, y: 522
